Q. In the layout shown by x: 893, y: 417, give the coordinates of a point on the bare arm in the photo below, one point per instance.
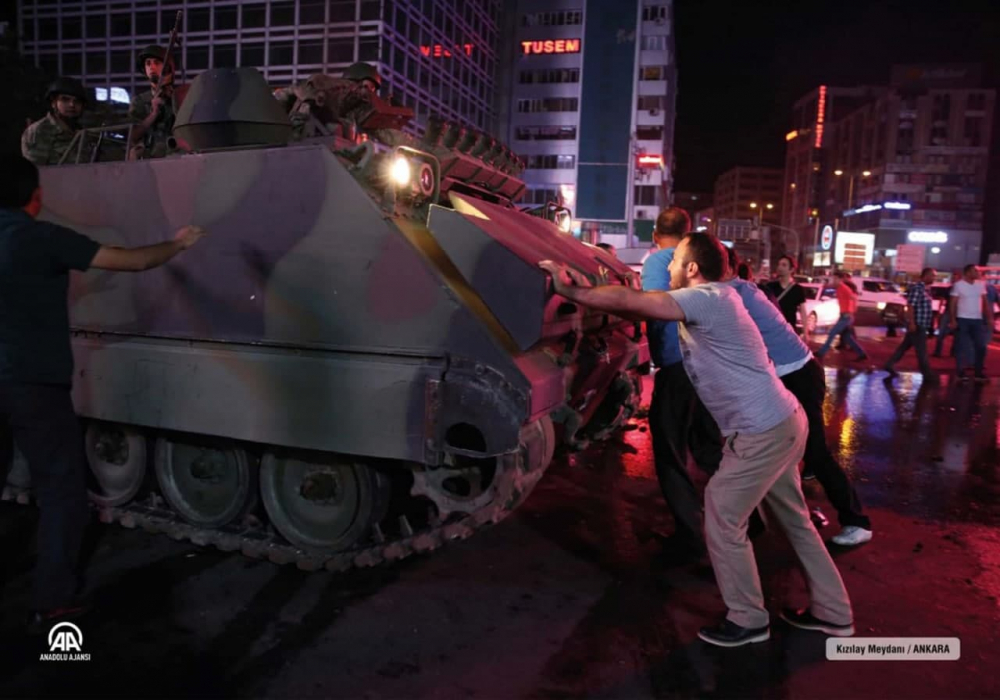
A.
x: 614, y: 298
x: 148, y: 256
x: 802, y: 319
x: 952, y: 309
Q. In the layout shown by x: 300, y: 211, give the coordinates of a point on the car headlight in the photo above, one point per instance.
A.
x: 881, y: 305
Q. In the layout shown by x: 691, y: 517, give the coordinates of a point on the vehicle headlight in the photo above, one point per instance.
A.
x: 400, y: 172
x: 881, y: 305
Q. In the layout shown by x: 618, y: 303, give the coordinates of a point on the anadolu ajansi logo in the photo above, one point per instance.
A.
x: 65, y: 644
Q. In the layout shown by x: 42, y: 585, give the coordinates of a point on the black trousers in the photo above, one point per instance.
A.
x: 680, y: 425
x: 918, y: 341
x: 41, y: 420
x: 808, y: 385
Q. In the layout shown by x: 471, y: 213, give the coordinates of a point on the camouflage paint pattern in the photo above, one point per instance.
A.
x: 44, y: 142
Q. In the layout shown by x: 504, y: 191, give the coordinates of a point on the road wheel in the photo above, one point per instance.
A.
x: 322, y: 503
x: 208, y: 482
x: 117, y: 457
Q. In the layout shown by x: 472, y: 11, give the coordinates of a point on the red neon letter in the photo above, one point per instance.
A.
x: 527, y: 46
x: 560, y: 46
x: 425, y: 50
x: 572, y: 45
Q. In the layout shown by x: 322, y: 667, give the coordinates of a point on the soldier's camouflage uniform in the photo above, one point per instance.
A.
x: 331, y: 102
x: 155, y: 139
x: 45, y: 141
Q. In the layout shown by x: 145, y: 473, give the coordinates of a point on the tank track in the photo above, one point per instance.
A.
x: 256, y: 540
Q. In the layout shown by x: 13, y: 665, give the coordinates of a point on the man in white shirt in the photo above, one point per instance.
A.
x: 764, y: 430
x: 969, y: 308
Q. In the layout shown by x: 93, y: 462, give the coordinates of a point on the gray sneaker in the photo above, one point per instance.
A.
x: 852, y: 536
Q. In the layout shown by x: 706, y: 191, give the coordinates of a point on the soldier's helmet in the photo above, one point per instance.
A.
x: 363, y: 71
x: 66, y: 86
x: 153, y: 51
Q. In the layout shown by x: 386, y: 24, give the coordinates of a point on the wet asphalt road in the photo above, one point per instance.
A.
x: 571, y: 596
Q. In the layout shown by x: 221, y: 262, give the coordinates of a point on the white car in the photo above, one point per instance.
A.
x: 880, y: 299
x: 822, y: 309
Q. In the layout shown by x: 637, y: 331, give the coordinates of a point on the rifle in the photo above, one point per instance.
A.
x: 166, y: 55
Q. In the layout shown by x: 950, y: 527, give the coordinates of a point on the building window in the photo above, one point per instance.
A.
x: 652, y: 13
x: 342, y: 11
x: 145, y: 23
x: 558, y: 18
x: 197, y: 21
x: 653, y: 73
x: 225, y: 18
x: 650, y: 103
x: 973, y: 131
x: 549, y: 104
x: 224, y: 56
x: 551, y: 162
x: 340, y: 50
x: 540, y: 195
x: 312, y: 13
x: 368, y: 49
x: 551, y: 75
x: 72, y: 28
x: 252, y: 55
x: 197, y: 58
x: 545, y: 133
x: 654, y: 43
x: 976, y: 101
x: 254, y: 16
x: 649, y: 133
x: 97, y: 26
x: 281, y: 54
x: 283, y: 14
x: 645, y: 195
x: 121, y: 25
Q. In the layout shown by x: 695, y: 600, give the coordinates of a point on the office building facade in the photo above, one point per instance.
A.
x: 749, y: 193
x: 436, y: 56
x: 591, y: 91
x: 910, y: 167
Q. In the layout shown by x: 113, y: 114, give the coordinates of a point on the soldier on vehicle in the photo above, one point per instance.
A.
x: 153, y: 112
x: 45, y: 141
x: 323, y: 103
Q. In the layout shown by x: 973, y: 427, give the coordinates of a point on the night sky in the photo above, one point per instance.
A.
x: 743, y: 63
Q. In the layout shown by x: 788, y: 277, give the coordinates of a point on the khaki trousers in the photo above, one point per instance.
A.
x: 765, y: 467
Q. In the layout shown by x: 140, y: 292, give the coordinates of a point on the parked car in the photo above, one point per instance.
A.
x: 822, y: 309
x: 880, y: 302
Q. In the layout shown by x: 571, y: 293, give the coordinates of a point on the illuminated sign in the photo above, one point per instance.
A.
x: 826, y: 238
x: 821, y: 259
x: 441, y: 51
x: 650, y: 160
x: 896, y: 205
x: 863, y: 210
x: 820, y: 116
x: 854, y: 249
x: 551, y: 46
x: 927, y: 237
x: 791, y: 134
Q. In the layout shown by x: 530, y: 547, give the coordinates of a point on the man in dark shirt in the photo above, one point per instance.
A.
x: 36, y: 367
x: 919, y: 320
x: 789, y: 294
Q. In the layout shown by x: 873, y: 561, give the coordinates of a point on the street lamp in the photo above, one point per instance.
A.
x: 850, y: 186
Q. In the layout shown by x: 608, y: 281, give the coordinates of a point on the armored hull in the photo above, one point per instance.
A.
x: 339, y: 374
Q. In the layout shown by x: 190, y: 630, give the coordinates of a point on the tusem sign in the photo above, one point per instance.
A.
x: 550, y: 46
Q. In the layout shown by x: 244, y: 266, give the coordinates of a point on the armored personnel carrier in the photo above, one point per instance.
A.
x: 361, y: 361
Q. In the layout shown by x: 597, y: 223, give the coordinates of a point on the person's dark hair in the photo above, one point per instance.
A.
x: 20, y: 180
x: 791, y: 261
x: 744, y: 272
x: 968, y: 268
x: 733, y: 258
x: 926, y: 270
x: 672, y: 221
x: 606, y: 246
x: 708, y: 251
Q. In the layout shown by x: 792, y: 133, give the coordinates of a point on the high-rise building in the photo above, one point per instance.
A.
x: 591, y: 89
x: 805, y: 160
x: 749, y: 193
x: 910, y: 166
x: 436, y: 56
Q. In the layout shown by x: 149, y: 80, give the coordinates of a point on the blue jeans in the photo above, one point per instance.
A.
x: 970, y: 339
x: 844, y: 327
